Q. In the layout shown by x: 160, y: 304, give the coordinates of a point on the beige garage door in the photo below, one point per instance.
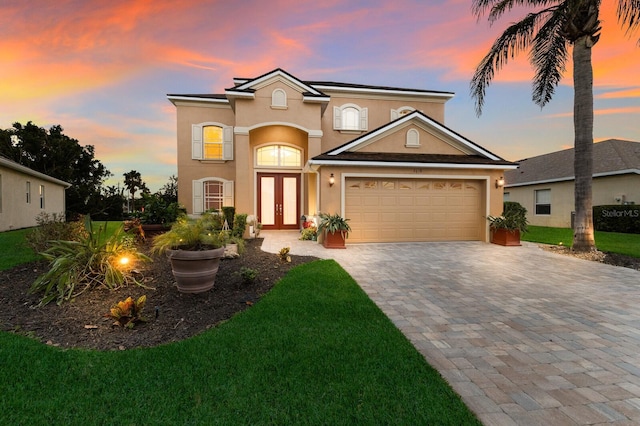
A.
x: 398, y: 210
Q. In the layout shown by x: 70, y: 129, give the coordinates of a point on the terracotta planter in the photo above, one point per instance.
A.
x: 195, y: 271
x: 335, y: 240
x: 505, y: 237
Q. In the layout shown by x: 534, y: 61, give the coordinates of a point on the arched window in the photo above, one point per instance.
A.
x: 278, y: 156
x: 350, y: 117
x: 211, y: 141
x: 279, y: 99
x: 212, y: 193
x: 401, y: 112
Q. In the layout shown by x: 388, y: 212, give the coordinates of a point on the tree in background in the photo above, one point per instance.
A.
x: 133, y: 182
x: 53, y: 153
x: 549, y: 33
x: 169, y: 191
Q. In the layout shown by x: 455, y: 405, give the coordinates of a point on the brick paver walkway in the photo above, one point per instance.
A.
x: 526, y: 337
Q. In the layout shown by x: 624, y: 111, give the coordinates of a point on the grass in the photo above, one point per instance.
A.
x: 314, y: 350
x: 613, y: 242
x: 13, y: 250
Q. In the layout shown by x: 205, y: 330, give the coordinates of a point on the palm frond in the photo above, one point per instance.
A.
x: 628, y: 12
x: 548, y: 56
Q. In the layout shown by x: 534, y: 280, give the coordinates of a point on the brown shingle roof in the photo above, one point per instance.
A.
x: 386, y: 157
x: 609, y: 157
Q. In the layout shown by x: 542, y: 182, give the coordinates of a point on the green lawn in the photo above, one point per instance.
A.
x: 613, y: 242
x: 13, y: 250
x: 314, y: 350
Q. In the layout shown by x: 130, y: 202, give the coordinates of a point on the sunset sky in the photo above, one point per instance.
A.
x: 102, y: 68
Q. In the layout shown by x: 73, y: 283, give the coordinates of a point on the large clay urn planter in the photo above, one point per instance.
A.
x: 505, y: 237
x: 195, y: 271
x: 334, y: 240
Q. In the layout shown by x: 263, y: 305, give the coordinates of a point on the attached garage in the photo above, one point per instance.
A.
x: 384, y: 209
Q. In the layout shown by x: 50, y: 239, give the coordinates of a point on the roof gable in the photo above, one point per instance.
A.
x: 251, y: 85
x: 440, y: 131
x: 610, y: 157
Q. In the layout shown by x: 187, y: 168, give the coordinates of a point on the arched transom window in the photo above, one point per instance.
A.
x: 278, y: 156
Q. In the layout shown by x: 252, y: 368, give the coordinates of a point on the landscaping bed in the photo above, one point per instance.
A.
x: 171, y: 315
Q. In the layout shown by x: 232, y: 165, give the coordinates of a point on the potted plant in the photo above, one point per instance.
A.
x: 334, y: 229
x: 194, y: 248
x: 506, y: 229
x: 157, y: 215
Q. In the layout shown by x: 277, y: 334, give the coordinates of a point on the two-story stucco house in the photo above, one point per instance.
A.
x: 278, y: 147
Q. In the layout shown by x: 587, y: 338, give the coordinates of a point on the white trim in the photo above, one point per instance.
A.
x: 413, y: 165
x: 239, y: 130
x: 277, y: 73
x: 570, y: 178
x: 26, y: 170
x: 422, y: 118
x: 328, y: 87
x: 197, y: 99
x: 237, y: 94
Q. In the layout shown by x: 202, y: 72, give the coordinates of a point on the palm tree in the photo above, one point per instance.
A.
x: 548, y: 33
x: 133, y: 182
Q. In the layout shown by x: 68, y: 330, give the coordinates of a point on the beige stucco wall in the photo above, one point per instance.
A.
x: 189, y: 113
x: 605, y: 191
x: 15, y: 212
x: 396, y: 142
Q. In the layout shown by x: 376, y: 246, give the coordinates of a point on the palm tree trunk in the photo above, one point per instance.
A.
x: 583, y: 130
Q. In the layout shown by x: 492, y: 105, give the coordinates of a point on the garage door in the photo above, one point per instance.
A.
x: 399, y: 210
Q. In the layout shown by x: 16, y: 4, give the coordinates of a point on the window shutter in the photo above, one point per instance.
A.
x: 227, y: 143
x: 394, y: 114
x: 197, y: 197
x: 337, y: 118
x: 227, y: 193
x: 364, y: 119
x: 196, y: 141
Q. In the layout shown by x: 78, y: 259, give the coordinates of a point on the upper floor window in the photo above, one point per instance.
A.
x: 350, y: 117
x: 278, y: 156
x: 413, y: 138
x: 401, y: 112
x: 211, y: 141
x: 543, y: 201
x: 279, y: 99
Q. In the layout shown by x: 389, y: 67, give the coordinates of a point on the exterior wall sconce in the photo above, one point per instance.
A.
x: 500, y: 182
x: 332, y: 180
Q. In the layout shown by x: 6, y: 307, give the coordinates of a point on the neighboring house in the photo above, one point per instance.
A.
x: 25, y: 193
x: 544, y: 185
x: 277, y: 147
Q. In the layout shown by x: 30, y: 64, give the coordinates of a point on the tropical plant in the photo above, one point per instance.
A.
x: 333, y: 223
x: 133, y: 182
x: 283, y: 254
x: 513, y: 218
x: 95, y: 260
x: 157, y: 211
x: 239, y: 225
x: 548, y: 33
x: 127, y: 313
x: 309, y: 234
x: 189, y: 234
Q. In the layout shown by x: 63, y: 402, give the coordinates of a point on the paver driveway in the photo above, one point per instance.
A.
x: 525, y: 336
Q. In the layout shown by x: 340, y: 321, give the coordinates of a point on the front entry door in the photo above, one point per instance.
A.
x: 278, y: 200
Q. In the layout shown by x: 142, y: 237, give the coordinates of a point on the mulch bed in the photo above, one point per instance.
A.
x: 171, y: 315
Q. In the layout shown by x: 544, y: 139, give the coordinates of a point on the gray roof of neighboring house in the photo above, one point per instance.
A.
x: 610, y: 157
x: 10, y: 164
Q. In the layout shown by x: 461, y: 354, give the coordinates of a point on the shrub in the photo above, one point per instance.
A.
x: 91, y: 262
x: 617, y: 218
x: 283, y: 254
x: 53, y: 227
x: 157, y: 211
x: 310, y: 233
x: 239, y: 225
x: 229, y: 213
x: 514, y: 217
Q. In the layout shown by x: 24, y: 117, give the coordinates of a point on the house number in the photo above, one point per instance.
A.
x: 417, y: 170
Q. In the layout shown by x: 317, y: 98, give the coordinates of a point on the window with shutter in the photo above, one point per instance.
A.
x: 211, y: 141
x: 212, y: 193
